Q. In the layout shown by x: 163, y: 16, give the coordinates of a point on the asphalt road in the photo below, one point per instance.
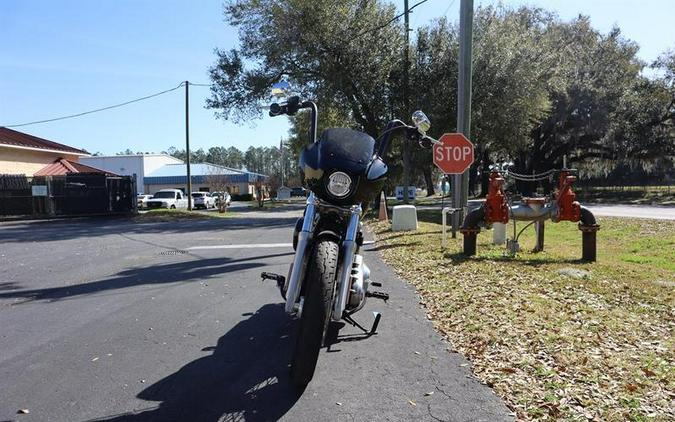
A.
x: 634, y: 211
x: 659, y: 212
x: 108, y: 319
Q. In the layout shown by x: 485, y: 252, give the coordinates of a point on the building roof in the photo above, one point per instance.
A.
x: 199, y: 173
x: 14, y: 139
x: 198, y: 169
x: 62, y: 166
x: 136, y: 156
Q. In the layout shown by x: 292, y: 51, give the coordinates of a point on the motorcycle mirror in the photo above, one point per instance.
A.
x: 421, y: 121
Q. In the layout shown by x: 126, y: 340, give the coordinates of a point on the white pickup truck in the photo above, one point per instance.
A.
x: 167, y: 198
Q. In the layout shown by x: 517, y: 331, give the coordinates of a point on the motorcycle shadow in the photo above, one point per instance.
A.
x: 246, y: 378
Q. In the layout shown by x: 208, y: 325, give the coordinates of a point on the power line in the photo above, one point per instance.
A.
x: 98, y: 109
x: 448, y: 9
x: 377, y: 28
x: 71, y: 116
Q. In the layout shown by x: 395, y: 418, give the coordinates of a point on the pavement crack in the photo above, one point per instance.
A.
x: 440, y: 390
x: 432, y: 415
x: 437, y: 383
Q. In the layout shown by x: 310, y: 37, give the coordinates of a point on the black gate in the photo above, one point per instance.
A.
x: 15, y: 195
x: 71, y: 194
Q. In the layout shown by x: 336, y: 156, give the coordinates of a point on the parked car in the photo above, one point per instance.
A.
x: 299, y: 191
x: 203, y: 200
x: 222, y: 196
x: 167, y: 198
x: 142, y: 200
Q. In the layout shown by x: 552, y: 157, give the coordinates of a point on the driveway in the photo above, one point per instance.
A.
x: 633, y: 211
x: 110, y: 319
x: 659, y: 212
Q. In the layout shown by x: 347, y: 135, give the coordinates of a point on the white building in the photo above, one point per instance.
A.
x: 128, y: 165
x: 206, y: 177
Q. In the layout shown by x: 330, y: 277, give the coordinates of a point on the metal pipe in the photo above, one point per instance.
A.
x: 589, y: 245
x: 472, y: 219
x: 299, y: 261
x: 470, y: 230
x: 314, y: 121
x: 348, y: 250
x: 470, y: 243
x: 524, y: 212
x: 589, y: 229
x: 587, y: 217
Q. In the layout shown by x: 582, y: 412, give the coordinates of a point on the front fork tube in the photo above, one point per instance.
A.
x: 299, y: 261
x: 349, y: 247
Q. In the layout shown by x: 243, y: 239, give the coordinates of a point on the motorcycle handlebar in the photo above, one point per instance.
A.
x: 292, y: 106
x: 412, y: 135
x: 277, y: 110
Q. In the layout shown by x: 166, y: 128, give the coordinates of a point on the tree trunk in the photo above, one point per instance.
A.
x: 473, y: 177
x: 485, y: 173
x: 429, y: 181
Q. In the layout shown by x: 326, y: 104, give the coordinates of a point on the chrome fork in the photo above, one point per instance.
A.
x: 348, y: 251
x: 299, y: 261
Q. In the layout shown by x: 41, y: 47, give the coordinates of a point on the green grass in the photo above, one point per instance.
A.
x: 175, y: 215
x: 551, y: 345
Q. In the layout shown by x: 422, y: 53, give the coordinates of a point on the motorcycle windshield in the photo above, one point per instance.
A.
x: 346, y: 150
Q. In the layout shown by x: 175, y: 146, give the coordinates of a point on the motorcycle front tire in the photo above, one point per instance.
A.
x: 319, y: 290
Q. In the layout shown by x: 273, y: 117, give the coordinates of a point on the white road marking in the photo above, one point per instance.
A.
x: 253, y: 246
x: 244, y: 246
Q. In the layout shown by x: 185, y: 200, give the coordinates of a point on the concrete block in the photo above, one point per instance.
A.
x: 404, y: 218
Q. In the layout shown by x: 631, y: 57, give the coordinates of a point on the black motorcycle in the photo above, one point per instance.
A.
x: 328, y: 280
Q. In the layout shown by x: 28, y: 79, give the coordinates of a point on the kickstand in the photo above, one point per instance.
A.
x: 373, y: 328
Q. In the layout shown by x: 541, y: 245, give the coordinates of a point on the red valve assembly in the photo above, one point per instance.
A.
x: 569, y: 208
x: 496, y: 207
x: 562, y: 206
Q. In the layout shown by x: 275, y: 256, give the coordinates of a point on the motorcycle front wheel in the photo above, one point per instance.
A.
x: 319, y: 289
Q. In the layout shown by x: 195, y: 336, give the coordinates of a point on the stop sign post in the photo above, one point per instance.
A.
x: 453, y: 153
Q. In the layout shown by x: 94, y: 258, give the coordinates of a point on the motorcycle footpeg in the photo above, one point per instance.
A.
x: 378, y: 295
x: 376, y: 284
x: 280, y: 279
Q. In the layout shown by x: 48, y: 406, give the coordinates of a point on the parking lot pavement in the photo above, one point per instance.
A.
x: 110, y: 319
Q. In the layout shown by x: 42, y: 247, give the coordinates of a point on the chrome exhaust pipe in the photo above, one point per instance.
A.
x: 299, y: 261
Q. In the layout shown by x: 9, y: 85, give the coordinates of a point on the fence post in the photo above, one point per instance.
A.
x: 49, y: 199
x: 134, y: 193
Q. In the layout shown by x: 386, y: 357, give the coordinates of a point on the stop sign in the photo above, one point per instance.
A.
x: 453, y: 154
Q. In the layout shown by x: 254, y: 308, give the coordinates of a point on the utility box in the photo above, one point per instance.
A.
x: 404, y: 218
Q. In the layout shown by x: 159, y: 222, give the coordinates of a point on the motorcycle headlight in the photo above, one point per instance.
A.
x: 339, y: 184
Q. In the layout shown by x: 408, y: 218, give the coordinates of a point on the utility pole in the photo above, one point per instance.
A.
x: 460, y: 182
x: 187, y: 144
x: 281, y: 152
x: 406, y: 101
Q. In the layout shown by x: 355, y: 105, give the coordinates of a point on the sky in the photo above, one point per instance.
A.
x: 61, y: 57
